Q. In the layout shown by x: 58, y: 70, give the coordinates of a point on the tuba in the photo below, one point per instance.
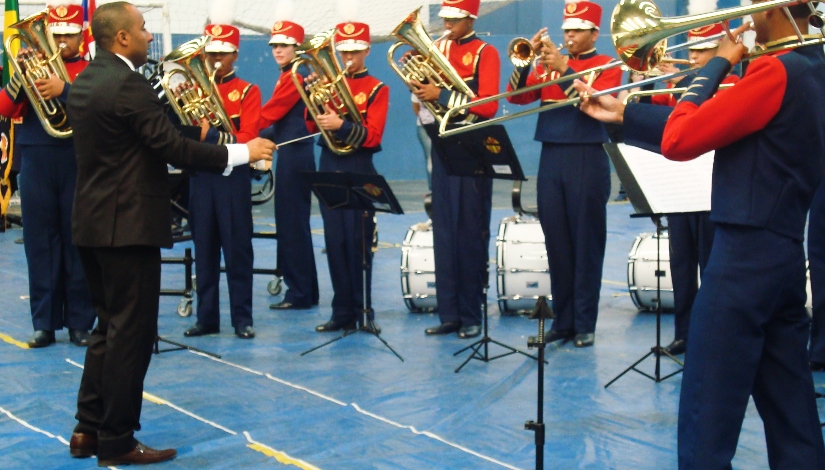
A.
x: 190, y: 87
x: 425, y: 63
x: 43, y: 62
x: 325, y: 85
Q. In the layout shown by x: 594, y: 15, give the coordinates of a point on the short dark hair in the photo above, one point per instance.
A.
x: 108, y: 19
x: 802, y: 11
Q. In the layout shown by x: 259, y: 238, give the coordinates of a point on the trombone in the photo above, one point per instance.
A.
x: 639, y: 34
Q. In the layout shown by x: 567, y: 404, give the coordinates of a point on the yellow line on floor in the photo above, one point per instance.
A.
x: 13, y: 341
x: 614, y: 283
x: 277, y: 455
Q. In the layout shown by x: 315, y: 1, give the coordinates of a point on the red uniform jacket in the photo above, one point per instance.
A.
x: 477, y: 63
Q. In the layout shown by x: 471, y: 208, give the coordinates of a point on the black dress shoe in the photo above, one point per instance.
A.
x: 83, y: 445
x: 552, y: 336
x: 333, y: 325
x: 443, y: 329
x: 245, y: 332
x: 41, y: 339
x: 584, y: 340
x: 371, y: 327
x: 469, y: 331
x: 678, y: 346
x: 817, y: 366
x: 284, y: 305
x: 200, y: 330
x: 140, y: 455
x: 79, y: 337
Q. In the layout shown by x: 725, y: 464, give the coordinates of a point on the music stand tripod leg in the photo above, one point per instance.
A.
x: 485, y: 340
x: 656, y: 350
x: 366, y: 325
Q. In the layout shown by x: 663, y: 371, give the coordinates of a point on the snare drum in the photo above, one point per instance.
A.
x: 418, y: 269
x: 523, y: 272
x: 641, y: 272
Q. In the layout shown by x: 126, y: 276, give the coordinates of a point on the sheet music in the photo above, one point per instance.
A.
x: 671, y: 187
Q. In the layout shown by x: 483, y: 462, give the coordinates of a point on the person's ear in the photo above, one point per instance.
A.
x: 122, y: 37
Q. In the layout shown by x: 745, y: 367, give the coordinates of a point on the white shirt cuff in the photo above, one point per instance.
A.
x: 238, y: 155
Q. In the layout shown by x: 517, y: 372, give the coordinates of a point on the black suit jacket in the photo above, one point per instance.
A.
x: 123, y: 140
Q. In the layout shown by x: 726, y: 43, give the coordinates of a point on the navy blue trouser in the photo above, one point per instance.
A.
x: 348, y: 237
x: 293, y: 204
x: 220, y: 216
x: 58, y: 293
x: 573, y: 186
x: 816, y: 260
x: 748, y: 336
x: 461, y: 237
x: 691, y: 237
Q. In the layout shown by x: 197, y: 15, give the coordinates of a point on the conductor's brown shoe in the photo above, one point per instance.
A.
x: 140, y: 455
x: 83, y: 445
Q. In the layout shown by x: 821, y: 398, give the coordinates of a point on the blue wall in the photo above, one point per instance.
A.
x: 402, y: 158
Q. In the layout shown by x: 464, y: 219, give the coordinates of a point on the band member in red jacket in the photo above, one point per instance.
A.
x: 461, y: 205
x: 58, y: 294
x: 283, y: 119
x: 573, y: 183
x: 220, y: 207
x: 348, y: 232
x: 691, y: 235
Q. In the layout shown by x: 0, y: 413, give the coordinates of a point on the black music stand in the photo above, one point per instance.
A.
x: 484, y: 152
x: 363, y: 192
x: 542, y: 311
x: 644, y: 209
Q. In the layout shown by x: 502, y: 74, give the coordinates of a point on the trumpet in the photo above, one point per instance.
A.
x: 521, y: 54
x: 640, y: 35
x: 43, y: 62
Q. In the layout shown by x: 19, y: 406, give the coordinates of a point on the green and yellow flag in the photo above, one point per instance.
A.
x: 6, y: 127
x: 12, y: 16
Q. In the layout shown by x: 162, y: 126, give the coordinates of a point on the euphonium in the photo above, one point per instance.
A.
x: 325, y: 85
x: 45, y: 61
x: 190, y: 87
x: 425, y: 63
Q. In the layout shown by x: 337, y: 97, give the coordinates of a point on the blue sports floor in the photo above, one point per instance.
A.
x: 354, y: 405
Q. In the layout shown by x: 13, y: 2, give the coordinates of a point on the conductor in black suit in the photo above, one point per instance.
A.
x: 121, y: 219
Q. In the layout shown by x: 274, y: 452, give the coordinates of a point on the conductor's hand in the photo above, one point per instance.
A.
x: 734, y: 51
x: 260, y: 149
x: 425, y: 91
x: 330, y: 120
x: 50, y: 88
x: 604, y: 108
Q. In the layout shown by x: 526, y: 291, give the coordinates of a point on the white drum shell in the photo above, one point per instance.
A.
x: 641, y: 272
x: 418, y: 269
x: 523, y: 272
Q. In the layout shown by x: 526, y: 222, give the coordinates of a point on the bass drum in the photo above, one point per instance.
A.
x: 522, y: 269
x: 418, y: 269
x: 641, y: 272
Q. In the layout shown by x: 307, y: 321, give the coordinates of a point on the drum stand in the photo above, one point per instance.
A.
x: 365, y: 324
x: 656, y: 350
x: 485, y: 341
